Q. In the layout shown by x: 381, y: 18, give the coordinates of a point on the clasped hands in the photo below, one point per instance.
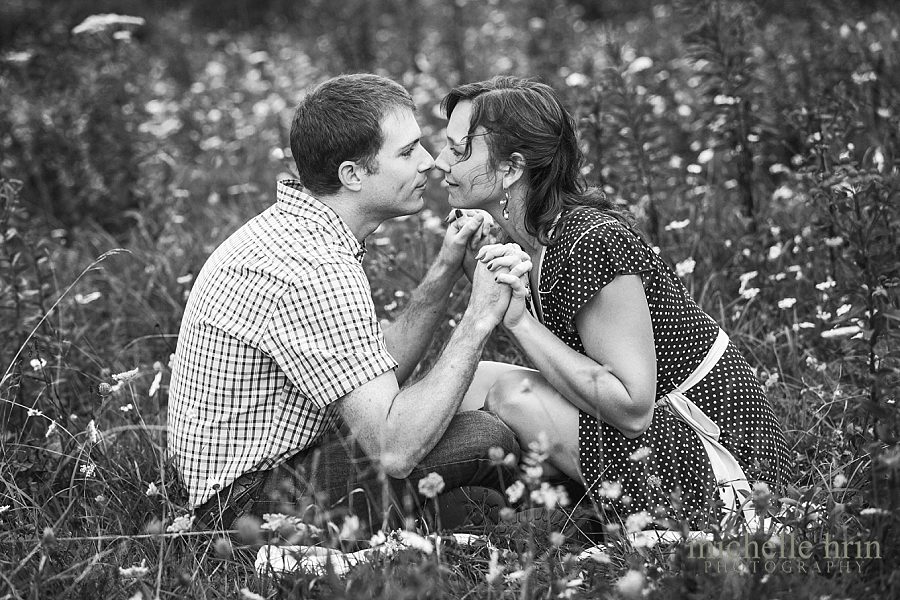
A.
x: 499, y: 272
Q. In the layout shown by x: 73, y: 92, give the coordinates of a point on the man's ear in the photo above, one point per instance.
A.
x: 515, y: 168
x: 349, y: 175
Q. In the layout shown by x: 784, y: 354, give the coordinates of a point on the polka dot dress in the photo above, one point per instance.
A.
x: 675, y: 479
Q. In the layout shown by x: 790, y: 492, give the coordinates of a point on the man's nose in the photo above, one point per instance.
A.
x: 427, y: 162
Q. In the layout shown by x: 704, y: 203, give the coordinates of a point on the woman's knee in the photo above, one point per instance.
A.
x: 510, y: 393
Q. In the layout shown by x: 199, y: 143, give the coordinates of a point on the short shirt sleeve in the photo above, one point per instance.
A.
x: 597, y: 252
x: 325, y: 335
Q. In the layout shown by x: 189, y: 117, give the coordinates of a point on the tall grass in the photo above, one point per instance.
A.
x: 758, y: 150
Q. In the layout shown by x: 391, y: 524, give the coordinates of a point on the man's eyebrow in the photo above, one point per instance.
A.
x: 412, y: 144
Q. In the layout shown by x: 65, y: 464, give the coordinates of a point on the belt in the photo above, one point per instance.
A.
x: 731, y: 481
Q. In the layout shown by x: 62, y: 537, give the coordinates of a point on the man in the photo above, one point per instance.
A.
x: 280, y: 346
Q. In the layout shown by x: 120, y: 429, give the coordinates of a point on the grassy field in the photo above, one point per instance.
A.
x: 758, y: 149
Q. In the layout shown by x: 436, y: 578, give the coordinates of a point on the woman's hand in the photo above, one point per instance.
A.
x: 510, y: 265
x: 485, y: 231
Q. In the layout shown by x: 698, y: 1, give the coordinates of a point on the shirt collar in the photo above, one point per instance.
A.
x: 292, y: 200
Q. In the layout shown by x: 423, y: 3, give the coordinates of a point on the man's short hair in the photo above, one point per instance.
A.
x: 341, y: 120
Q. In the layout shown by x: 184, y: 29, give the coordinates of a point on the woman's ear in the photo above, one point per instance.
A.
x: 348, y: 173
x: 514, y: 169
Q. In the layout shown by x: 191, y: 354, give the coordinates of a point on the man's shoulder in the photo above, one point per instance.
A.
x: 288, y: 248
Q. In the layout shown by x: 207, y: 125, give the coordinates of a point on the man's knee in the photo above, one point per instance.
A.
x: 475, y: 432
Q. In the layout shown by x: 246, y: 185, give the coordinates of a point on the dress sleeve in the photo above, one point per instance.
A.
x: 597, y: 254
x: 325, y: 335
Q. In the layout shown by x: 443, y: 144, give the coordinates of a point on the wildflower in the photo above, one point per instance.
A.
x: 802, y: 325
x: 841, y: 332
x: 550, y: 496
x: 104, y: 389
x: 4, y: 508
x: 654, y: 481
x: 38, y: 363
x: 840, y: 480
x: 533, y: 472
x: 100, y: 23
x: 872, y: 512
x: 93, y: 433
x: 495, y: 453
x: 641, y: 63
x: 745, y: 279
x: 222, y: 547
x: 827, y: 284
x: 378, y: 539
x: 771, y: 380
x: 750, y: 293
x: 540, y: 449
x: 775, y: 251
x: 675, y: 225
x: 495, y: 572
x: 33, y: 412
x: 576, y: 80
x: 136, y: 571
x: 88, y: 469
x: 833, y: 242
x: 640, y: 454
x: 843, y: 310
x: 154, y: 385
x: 216, y: 483
x: 350, y: 528
x: 181, y: 524
x: 278, y: 521
x: 631, y: 584
x: 786, y: 303
x: 248, y: 595
x: 685, y: 267
x: 431, y: 485
x: 823, y: 315
x: 126, y: 376
x: 51, y: 429
x: 152, y: 490
x: 645, y: 540
x: 414, y: 540
x: 87, y: 298
x: 127, y: 408
x: 515, y: 491
x: 760, y: 495
x: 637, y: 521
x: 610, y: 489
x: 101, y: 499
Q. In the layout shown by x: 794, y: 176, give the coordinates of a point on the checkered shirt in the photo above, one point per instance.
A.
x: 279, y: 324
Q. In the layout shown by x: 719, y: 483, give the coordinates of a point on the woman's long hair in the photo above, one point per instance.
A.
x: 527, y: 117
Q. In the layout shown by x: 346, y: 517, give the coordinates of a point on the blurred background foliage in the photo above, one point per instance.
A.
x: 757, y: 142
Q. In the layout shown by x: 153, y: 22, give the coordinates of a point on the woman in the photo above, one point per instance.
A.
x: 612, y: 331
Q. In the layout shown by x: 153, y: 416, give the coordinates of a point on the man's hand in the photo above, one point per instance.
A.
x: 462, y: 232
x: 489, y: 299
x: 510, y: 266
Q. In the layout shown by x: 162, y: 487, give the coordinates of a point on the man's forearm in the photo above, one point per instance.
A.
x: 421, y: 413
x: 409, y: 336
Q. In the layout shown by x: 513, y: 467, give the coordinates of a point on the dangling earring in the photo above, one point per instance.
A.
x: 503, y: 202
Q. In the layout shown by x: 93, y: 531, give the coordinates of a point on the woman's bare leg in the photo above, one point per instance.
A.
x: 486, y: 375
x: 529, y: 405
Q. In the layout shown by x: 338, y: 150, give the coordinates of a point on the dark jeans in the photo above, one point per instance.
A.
x: 336, y: 478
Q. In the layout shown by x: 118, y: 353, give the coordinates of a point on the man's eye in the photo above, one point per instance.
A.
x: 408, y: 153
